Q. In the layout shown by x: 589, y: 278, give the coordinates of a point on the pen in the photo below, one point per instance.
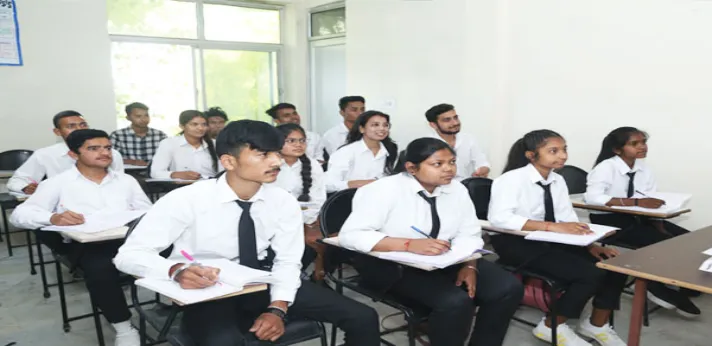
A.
x: 193, y: 261
x: 644, y: 195
x: 423, y: 233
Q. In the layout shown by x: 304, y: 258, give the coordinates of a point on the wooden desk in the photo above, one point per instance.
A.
x: 673, y: 262
x: 579, y: 203
x: 81, y: 237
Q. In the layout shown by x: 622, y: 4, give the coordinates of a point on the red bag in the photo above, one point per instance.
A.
x: 536, y: 293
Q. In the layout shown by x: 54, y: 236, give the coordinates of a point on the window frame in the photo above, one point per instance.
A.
x: 324, y: 8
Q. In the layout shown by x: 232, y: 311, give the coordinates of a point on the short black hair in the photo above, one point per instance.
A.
x: 135, y: 105
x: 215, y: 112
x: 64, y: 114
x: 257, y: 135
x: 273, y: 111
x: 77, y: 138
x: 344, y: 101
x: 434, y: 112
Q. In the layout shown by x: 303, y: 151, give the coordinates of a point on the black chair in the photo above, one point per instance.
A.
x: 9, y: 161
x: 575, y: 178
x: 12, y: 159
x: 400, y: 163
x: 480, y: 190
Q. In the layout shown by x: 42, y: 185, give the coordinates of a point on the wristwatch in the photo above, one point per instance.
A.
x: 180, y: 270
x: 277, y: 311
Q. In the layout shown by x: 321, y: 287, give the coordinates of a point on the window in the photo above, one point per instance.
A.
x: 328, y: 22
x: 175, y: 55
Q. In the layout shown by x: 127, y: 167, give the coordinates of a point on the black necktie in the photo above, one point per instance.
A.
x: 433, y: 213
x: 631, y: 184
x: 548, y: 203
x: 246, y: 237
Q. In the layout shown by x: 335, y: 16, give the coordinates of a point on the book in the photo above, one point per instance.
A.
x: 599, y: 231
x: 100, y: 222
x: 673, y: 202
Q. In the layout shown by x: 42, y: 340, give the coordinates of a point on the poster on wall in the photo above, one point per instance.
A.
x: 10, y: 53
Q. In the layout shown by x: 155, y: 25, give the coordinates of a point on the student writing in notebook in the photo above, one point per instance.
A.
x: 216, y: 121
x: 530, y: 196
x: 190, y: 155
x: 426, y: 197
x: 239, y: 216
x: 620, y: 178
x: 54, y: 159
x: 286, y: 113
x: 138, y: 142
x: 66, y: 199
x: 369, y: 154
x: 350, y: 107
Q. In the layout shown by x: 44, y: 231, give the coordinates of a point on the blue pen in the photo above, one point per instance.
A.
x: 423, y: 233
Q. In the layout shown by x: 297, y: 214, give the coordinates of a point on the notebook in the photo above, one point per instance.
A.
x: 233, y: 278
x: 100, y: 222
x: 455, y: 255
x: 673, y: 202
x: 599, y: 231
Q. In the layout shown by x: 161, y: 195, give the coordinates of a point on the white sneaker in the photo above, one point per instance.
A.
x: 564, y: 335
x: 605, y: 335
x: 129, y: 338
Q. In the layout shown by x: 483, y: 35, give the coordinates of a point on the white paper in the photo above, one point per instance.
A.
x: 707, y: 266
x: 19, y: 195
x: 447, y: 259
x: 133, y: 167
x: 708, y: 252
x: 9, y: 35
x: 673, y: 202
x: 100, y: 222
x: 599, y: 231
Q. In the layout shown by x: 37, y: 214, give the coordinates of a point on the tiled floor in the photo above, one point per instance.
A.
x: 29, y: 319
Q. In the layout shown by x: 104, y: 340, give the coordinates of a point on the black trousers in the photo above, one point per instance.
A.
x: 574, y: 266
x: 498, y: 294
x: 100, y: 275
x: 225, y: 322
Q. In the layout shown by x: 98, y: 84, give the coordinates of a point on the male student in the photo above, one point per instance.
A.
x: 285, y: 113
x: 216, y: 121
x: 138, y: 142
x: 471, y: 161
x: 350, y: 108
x: 237, y: 216
x: 54, y: 159
x: 89, y: 187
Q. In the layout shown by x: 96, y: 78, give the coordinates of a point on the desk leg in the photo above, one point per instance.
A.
x: 636, y: 316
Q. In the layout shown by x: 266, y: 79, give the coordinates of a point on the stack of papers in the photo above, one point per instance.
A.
x: 599, y: 231
x: 673, y: 202
x: 233, y: 278
x: 100, y: 222
x: 707, y: 265
x: 447, y: 259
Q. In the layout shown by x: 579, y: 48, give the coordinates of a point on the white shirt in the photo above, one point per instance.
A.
x: 354, y: 162
x: 290, y: 179
x: 516, y: 198
x: 175, y: 154
x: 390, y: 206
x: 50, y: 161
x: 334, y: 138
x: 609, y: 180
x: 315, y: 149
x: 72, y: 191
x: 203, y: 219
x: 469, y: 155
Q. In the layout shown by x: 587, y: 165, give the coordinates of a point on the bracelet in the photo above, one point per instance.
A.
x: 407, y: 244
x: 277, y: 311
x: 180, y: 270
x: 473, y: 268
x: 621, y: 200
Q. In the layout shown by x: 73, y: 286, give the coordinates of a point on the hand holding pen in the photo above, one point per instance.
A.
x: 649, y: 202
x: 197, y: 276
x: 428, y: 246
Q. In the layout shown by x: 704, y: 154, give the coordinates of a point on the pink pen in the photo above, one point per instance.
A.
x: 192, y: 260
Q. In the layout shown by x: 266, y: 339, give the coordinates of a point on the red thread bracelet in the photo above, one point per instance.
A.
x: 407, y: 245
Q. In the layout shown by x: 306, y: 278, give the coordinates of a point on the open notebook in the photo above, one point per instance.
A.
x: 233, y: 278
x: 447, y: 259
x: 100, y: 222
x: 599, y: 231
x: 673, y: 202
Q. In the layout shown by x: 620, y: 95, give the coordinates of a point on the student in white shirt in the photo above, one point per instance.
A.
x: 54, y: 159
x: 239, y: 216
x: 350, y: 108
x: 426, y: 197
x: 190, y: 155
x: 530, y: 196
x: 66, y: 199
x: 471, y: 161
x: 620, y: 178
x: 286, y: 113
x: 216, y: 121
x: 369, y: 154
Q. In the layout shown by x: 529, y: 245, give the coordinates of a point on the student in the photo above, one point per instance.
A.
x: 284, y: 113
x: 89, y: 187
x: 426, y: 197
x: 471, y: 161
x: 620, y: 178
x: 369, y: 154
x: 190, y: 155
x: 216, y: 121
x: 54, y: 159
x: 238, y: 216
x: 138, y: 142
x: 350, y: 108
x: 530, y: 196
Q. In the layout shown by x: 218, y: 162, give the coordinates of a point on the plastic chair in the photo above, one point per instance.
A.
x: 575, y: 178
x: 480, y: 190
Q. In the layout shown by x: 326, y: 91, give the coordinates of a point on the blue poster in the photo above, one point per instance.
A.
x: 10, y: 52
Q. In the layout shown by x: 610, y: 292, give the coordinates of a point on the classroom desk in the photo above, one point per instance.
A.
x: 247, y: 290
x: 578, y: 202
x: 487, y: 226
x: 673, y: 262
x: 9, y: 201
x: 5, y: 174
x: 81, y: 237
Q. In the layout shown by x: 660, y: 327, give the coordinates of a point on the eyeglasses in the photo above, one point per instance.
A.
x: 296, y: 140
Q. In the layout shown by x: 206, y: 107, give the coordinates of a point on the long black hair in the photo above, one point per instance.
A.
x: 184, y: 118
x: 532, y: 141
x: 307, y: 181
x: 421, y: 149
x: 356, y: 135
x: 616, y: 140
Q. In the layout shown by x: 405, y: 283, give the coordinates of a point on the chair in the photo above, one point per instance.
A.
x: 575, y: 178
x: 480, y: 190
x: 9, y: 161
x: 12, y: 159
x: 400, y: 164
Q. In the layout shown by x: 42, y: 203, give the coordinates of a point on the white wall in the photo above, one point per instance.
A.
x: 67, y: 65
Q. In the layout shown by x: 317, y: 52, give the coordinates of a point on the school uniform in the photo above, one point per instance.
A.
x: 334, y: 138
x: 388, y: 208
x: 520, y: 195
x: 134, y: 147
x: 208, y: 220
x: 72, y: 191
x: 354, y: 161
x: 470, y: 156
x: 315, y: 148
x: 175, y: 154
x: 49, y: 162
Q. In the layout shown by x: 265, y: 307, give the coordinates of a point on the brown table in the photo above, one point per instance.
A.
x: 579, y: 203
x: 673, y: 262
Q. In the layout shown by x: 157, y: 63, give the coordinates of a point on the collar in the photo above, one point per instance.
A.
x: 414, y: 186
x: 536, y: 177
x: 110, y: 176
x: 183, y: 142
x: 296, y: 165
x: 623, y: 168
x: 364, y: 148
x: 225, y: 194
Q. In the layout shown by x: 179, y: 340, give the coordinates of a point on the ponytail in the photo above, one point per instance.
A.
x: 616, y: 140
x: 211, y: 150
x: 306, y: 178
x: 532, y: 141
x: 392, y: 149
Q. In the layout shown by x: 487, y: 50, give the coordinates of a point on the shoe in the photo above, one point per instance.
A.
x: 564, y: 335
x: 686, y: 308
x: 604, y: 336
x: 662, y: 296
x: 128, y: 338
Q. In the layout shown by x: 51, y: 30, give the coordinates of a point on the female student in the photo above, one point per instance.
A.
x: 620, y: 178
x: 425, y: 197
x: 530, y: 196
x: 304, y: 179
x: 369, y: 154
x: 190, y: 155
